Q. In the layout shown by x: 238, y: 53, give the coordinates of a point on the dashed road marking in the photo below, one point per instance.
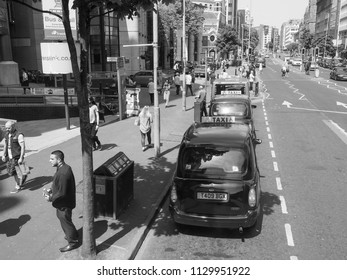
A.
x: 269, y: 136
x: 271, y: 144
x: 275, y: 166
x: 283, y: 205
x: 273, y: 153
x: 289, y: 235
x: 278, y: 183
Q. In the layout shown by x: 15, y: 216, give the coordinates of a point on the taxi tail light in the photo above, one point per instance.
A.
x: 173, y: 194
x: 252, y: 197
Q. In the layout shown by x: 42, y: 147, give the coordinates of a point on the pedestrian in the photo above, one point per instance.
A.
x: 189, y: 84
x: 212, y: 77
x: 177, y: 82
x: 150, y: 86
x: 24, y: 79
x: 144, y: 121
x: 251, y: 80
x: 94, y: 120
x: 260, y: 68
x: 202, y: 98
x: 166, y: 88
x: 62, y: 194
x: 14, y: 151
x: 224, y: 74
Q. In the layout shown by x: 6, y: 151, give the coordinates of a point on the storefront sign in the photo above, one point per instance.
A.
x: 56, y: 58
x: 53, y: 26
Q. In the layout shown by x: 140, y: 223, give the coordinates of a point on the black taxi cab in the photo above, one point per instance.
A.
x: 229, y: 87
x: 238, y: 106
x: 216, y: 181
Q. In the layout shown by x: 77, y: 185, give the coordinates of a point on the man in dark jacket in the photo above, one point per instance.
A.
x: 63, y: 197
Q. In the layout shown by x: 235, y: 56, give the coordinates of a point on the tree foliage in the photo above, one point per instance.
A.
x: 228, y: 40
x: 325, y: 45
x: 306, y: 39
x: 171, y: 16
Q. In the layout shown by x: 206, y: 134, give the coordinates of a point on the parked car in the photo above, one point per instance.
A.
x: 261, y: 60
x: 313, y: 66
x: 238, y: 106
x: 229, y: 87
x: 336, y: 62
x: 296, y: 61
x: 216, y: 182
x: 142, y: 77
x: 339, y: 74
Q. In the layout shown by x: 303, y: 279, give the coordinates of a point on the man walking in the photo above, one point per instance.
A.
x: 94, y: 119
x: 177, y: 82
x: 189, y: 84
x: 63, y: 198
x: 150, y: 86
x: 14, y: 151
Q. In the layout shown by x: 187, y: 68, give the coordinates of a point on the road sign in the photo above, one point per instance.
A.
x: 112, y: 59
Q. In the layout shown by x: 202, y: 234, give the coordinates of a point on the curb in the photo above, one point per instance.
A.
x: 149, y: 221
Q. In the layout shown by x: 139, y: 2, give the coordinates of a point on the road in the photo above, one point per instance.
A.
x: 302, y: 121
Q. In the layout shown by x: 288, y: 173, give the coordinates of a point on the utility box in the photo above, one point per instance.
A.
x: 113, y: 184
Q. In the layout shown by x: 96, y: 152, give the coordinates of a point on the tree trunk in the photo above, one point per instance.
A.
x: 88, y: 243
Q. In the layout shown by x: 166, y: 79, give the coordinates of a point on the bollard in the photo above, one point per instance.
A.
x: 316, y: 72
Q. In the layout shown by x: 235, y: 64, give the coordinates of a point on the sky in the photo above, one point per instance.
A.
x: 274, y: 12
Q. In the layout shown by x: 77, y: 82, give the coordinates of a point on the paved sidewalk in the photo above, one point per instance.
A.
x: 29, y: 228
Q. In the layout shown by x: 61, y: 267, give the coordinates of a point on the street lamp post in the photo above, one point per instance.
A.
x: 184, y: 56
x: 156, y: 121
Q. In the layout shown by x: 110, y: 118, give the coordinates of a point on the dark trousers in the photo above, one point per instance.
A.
x: 178, y: 88
x: 65, y: 217
x: 191, y: 89
x: 151, y: 96
x: 95, y: 138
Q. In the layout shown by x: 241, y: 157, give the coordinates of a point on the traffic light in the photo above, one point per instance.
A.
x: 316, y: 51
x: 249, y: 50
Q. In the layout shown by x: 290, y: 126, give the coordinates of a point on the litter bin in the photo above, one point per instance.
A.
x: 113, y: 184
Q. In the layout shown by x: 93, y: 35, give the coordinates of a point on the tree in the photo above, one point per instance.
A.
x: 325, y: 44
x: 227, y: 41
x: 123, y: 8
x: 306, y: 39
x: 293, y: 47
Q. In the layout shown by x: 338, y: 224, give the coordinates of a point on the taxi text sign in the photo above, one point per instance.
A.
x: 56, y: 58
x: 219, y: 119
x: 52, y: 25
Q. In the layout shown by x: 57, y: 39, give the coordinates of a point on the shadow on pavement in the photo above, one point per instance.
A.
x: 11, y: 227
x: 150, y: 179
x: 34, y: 184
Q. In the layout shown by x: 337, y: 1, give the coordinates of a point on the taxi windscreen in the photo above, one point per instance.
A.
x: 229, y: 109
x: 212, y: 162
x: 225, y: 89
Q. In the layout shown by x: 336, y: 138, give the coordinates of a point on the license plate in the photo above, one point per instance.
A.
x: 224, y: 92
x: 212, y: 196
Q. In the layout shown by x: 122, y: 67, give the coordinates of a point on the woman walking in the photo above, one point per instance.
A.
x: 145, y: 122
x: 166, y: 88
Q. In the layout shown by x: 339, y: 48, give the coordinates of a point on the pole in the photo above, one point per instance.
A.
x: 66, y: 102
x: 338, y: 29
x: 242, y: 42
x: 184, y: 56
x: 156, y: 120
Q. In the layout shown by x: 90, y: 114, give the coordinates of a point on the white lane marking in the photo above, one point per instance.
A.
x: 273, y: 153
x: 340, y: 132
x: 283, y: 205
x: 278, y: 183
x: 266, y: 123
x: 293, y: 258
x: 265, y: 114
x: 268, y: 129
x: 269, y: 136
x: 275, y: 166
x: 266, y: 118
x: 271, y: 144
x: 289, y: 235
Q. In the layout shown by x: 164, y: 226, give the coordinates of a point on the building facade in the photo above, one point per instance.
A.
x: 288, y: 31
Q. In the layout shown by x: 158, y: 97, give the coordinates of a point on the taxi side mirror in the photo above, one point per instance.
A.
x: 257, y: 141
x: 254, y: 106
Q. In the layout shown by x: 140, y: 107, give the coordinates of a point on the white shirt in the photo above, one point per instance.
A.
x: 188, y: 79
x: 225, y: 75
x: 20, y: 140
x: 93, y: 110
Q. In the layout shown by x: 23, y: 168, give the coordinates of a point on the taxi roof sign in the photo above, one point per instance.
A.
x: 218, y: 119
